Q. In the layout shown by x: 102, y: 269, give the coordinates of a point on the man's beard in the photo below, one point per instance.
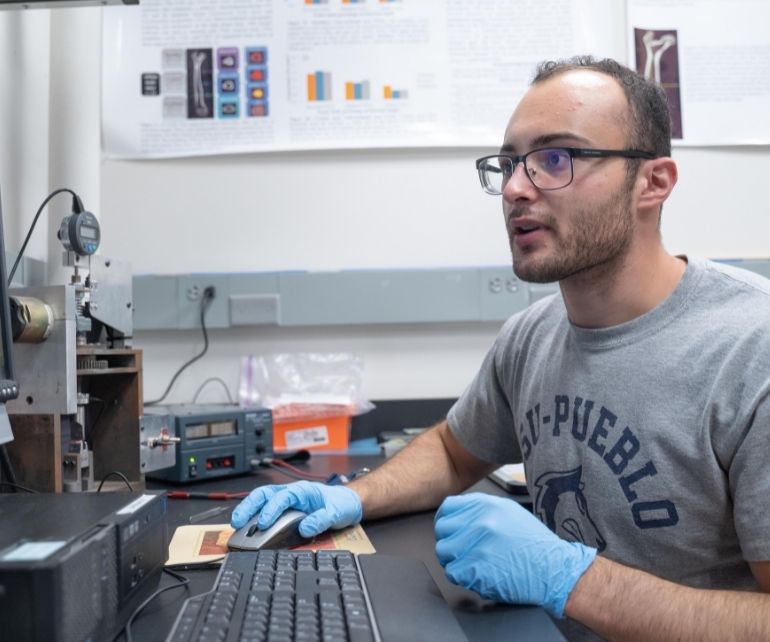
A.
x: 599, y: 236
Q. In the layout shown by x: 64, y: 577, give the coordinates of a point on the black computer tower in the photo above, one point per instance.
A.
x: 74, y: 566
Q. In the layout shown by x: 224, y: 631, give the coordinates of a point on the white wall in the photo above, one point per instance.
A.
x: 320, y: 211
x: 24, y: 99
x: 49, y: 122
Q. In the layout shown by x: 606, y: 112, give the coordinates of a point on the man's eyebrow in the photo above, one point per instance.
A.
x: 546, y: 139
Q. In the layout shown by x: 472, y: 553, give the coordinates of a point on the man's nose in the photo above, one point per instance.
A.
x: 519, y: 185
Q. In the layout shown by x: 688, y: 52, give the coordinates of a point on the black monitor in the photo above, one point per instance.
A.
x: 9, y: 389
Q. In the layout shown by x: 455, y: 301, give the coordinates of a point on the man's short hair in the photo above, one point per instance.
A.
x: 650, y: 121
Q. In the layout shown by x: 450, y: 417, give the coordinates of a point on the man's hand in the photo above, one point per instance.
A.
x: 327, y: 506
x: 495, y: 547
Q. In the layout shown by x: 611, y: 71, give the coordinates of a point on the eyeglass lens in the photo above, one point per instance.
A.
x: 547, y: 169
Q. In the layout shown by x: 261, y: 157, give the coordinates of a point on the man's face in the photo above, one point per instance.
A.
x: 590, y: 223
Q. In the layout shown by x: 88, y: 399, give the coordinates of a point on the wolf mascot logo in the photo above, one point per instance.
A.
x: 562, y: 506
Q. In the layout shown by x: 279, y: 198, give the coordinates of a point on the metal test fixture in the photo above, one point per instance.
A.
x: 77, y: 417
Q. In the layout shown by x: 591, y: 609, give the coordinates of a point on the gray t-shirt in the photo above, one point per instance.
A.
x: 649, y: 440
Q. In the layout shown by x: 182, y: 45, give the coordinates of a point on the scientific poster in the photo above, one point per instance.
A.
x: 189, y: 77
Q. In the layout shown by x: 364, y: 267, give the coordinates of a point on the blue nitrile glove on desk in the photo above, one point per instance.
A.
x: 327, y: 506
x: 493, y: 546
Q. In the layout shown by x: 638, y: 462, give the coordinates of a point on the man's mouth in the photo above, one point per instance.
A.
x: 526, y: 228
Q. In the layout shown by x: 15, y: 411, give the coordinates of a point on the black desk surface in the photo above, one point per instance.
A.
x: 408, y: 535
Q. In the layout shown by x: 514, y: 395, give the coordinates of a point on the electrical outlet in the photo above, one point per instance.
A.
x: 191, y: 288
x: 193, y: 293
x: 502, y: 294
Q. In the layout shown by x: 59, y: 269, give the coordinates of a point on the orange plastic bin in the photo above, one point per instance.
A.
x: 321, y: 433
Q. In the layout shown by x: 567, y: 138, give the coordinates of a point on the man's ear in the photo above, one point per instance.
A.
x: 657, y: 177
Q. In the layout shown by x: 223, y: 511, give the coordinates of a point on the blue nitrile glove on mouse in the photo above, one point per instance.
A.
x: 497, y: 548
x: 327, y: 506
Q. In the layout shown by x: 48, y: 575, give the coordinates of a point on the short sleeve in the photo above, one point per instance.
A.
x: 482, y: 419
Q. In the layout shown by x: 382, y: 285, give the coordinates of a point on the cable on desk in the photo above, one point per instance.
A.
x: 197, y: 566
x: 289, y: 470
x: 206, y: 299
x: 293, y: 455
x: 6, y: 468
x: 18, y: 486
x: 288, y: 473
x: 183, y: 581
x: 114, y: 473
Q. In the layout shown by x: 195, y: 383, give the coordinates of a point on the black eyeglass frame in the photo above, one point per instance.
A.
x: 574, y: 152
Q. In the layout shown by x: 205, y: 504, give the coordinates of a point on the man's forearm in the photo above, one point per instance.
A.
x: 419, y: 476
x: 621, y: 603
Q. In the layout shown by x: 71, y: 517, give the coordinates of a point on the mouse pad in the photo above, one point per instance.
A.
x: 200, y: 543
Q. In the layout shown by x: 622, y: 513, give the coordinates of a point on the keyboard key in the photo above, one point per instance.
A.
x: 334, y: 635
x: 361, y: 635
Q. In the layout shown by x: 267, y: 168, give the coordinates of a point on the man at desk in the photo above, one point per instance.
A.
x: 638, y: 398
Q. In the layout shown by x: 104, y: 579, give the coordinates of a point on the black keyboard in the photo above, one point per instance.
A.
x: 281, y: 596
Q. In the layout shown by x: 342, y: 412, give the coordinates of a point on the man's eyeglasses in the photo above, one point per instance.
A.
x: 549, y: 168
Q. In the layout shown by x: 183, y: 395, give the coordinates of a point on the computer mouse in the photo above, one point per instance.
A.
x: 282, y: 534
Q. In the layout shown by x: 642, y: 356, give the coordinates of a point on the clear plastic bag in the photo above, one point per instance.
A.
x: 304, y: 385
